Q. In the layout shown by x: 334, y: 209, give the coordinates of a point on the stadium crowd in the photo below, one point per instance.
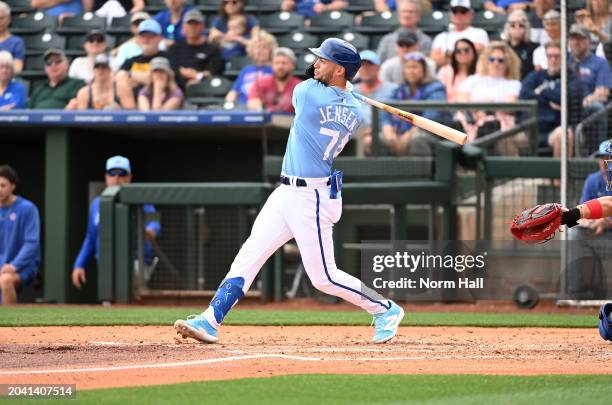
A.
x: 151, y: 56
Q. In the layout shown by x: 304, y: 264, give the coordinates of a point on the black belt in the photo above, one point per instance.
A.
x: 298, y: 182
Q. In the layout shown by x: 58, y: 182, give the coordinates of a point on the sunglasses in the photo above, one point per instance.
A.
x: 98, y: 40
x: 117, y: 172
x: 517, y: 25
x: 464, y: 50
x: 413, y: 56
x: 493, y: 59
x: 553, y: 55
x: 460, y: 10
x: 51, y: 62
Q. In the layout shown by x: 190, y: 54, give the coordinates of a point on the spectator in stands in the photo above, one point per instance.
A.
x: 233, y: 45
x: 595, y: 76
x: 20, y: 233
x: 497, y: 80
x: 461, y: 20
x: 390, y: 5
x: 260, y: 50
x: 110, y: 9
x: 62, y: 8
x: 552, y: 26
x: 162, y: 93
x: 118, y: 172
x: 101, y: 94
x: 9, y: 42
x: 57, y: 92
x: 400, y: 136
x: 131, y: 47
x: 392, y: 70
x: 194, y: 57
x: 171, y: 20
x: 462, y: 65
x: 408, y: 15
x: 503, y: 6
x: 310, y: 8
x: 13, y: 94
x: 274, y: 93
x: 517, y: 35
x: 545, y: 87
x: 598, y: 20
x: 82, y: 67
x: 539, y: 8
x: 370, y: 85
x: 135, y: 72
x: 219, y: 31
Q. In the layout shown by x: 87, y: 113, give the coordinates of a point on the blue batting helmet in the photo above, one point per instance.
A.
x: 340, y: 52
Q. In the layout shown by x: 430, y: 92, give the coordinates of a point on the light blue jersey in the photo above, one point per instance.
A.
x: 325, y: 120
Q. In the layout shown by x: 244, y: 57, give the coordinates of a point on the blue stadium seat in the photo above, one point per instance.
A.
x: 39, y: 43
x: 332, y: 21
x: 298, y: 40
x: 81, y: 24
x: 33, y: 23
x: 281, y: 22
x: 379, y: 23
x: 209, y: 91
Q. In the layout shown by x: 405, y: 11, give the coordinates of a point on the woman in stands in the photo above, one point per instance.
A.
x: 259, y: 50
x: 219, y: 31
x: 13, y: 94
x: 162, y: 93
x: 463, y: 64
x: 517, y: 33
x: 599, y: 21
x: 101, y: 94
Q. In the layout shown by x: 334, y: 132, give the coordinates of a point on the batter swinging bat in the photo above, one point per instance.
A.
x: 432, y: 126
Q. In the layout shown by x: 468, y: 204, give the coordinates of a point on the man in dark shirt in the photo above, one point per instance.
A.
x: 194, y: 57
x: 135, y: 72
x: 57, y: 92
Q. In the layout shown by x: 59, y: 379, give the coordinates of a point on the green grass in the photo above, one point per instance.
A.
x: 367, y: 389
x: 102, y: 316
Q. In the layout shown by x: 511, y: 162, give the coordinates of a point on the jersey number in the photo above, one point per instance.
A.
x: 335, y: 140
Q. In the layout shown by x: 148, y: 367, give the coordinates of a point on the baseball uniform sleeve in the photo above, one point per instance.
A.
x: 30, y: 250
x: 88, y: 248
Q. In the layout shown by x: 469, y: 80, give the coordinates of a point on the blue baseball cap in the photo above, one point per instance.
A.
x: 151, y: 26
x: 369, y: 56
x: 605, y: 149
x: 118, y: 162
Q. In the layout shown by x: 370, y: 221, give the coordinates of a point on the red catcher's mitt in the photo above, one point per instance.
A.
x: 537, y: 224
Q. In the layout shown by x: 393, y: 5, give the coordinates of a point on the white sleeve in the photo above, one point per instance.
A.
x: 481, y: 37
x: 514, y: 88
x: 468, y: 84
x: 439, y: 41
x: 600, y: 51
x: 539, y: 57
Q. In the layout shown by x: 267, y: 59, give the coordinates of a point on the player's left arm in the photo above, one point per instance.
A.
x: 593, y: 209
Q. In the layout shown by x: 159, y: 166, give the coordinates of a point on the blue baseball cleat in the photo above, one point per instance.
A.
x: 386, y: 324
x: 198, y: 328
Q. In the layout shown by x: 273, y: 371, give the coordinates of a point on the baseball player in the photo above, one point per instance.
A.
x: 308, y: 201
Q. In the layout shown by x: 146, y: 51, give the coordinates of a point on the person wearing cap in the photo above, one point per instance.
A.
x: 171, y: 20
x: 370, y: 85
x: 131, y: 47
x: 136, y: 72
x: 274, y: 93
x: 9, y: 42
x: 62, y: 8
x: 59, y: 89
x: 460, y: 27
x: 408, y: 15
x: 101, y: 94
x: 552, y: 27
x: 311, y: 8
x: 13, y: 93
x: 20, y: 238
x: 392, y: 70
x: 420, y: 84
x: 194, y: 57
x: 82, y: 67
x: 162, y: 93
x: 118, y: 172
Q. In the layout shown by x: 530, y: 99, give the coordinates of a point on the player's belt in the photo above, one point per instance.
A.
x: 298, y: 182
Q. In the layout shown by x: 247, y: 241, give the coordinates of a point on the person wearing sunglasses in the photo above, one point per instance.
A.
x: 83, y: 67
x: 118, y: 172
x: 460, y: 27
x: 552, y: 28
x: 462, y: 65
x: 517, y: 33
x: 13, y: 93
x: 536, y: 14
x: 131, y: 47
x: 59, y: 89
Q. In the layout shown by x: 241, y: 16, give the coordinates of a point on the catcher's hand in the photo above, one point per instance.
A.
x: 537, y: 224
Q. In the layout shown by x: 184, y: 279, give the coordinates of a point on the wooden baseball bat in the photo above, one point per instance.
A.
x: 432, y: 126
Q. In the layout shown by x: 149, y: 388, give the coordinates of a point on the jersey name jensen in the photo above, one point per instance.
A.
x: 340, y: 114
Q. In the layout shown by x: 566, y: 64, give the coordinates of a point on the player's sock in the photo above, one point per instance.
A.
x: 228, y: 294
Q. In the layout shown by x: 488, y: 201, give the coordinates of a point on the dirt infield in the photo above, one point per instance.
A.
x: 95, y: 357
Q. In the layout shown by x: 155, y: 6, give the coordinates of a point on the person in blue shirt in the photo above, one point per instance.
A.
x: 502, y: 6
x: 59, y: 8
x: 400, y: 136
x: 9, y: 42
x: 13, y: 94
x: 118, y: 172
x: 310, y: 8
x: 220, y: 30
x: 171, y: 20
x: 19, y: 238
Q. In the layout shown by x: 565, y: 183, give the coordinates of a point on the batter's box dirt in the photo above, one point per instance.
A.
x: 94, y: 357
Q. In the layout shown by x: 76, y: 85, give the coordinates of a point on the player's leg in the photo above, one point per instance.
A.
x: 268, y: 234
x: 8, y: 284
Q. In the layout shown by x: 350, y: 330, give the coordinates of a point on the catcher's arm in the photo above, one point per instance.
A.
x: 593, y: 209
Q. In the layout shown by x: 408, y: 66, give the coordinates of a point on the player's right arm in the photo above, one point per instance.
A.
x: 88, y: 248
x: 593, y: 209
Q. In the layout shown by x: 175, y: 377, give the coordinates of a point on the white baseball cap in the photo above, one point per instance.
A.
x: 461, y: 3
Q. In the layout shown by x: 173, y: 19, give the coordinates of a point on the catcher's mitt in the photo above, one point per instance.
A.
x: 537, y: 224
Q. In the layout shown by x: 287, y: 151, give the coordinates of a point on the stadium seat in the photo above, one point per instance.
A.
x: 359, y: 6
x: 19, y: 6
x: 74, y: 44
x: 328, y: 22
x: 81, y: 24
x: 379, y: 23
x: 120, y: 25
x: 37, y: 44
x: 208, y: 6
x: 154, y: 6
x: 302, y: 62
x: 298, y: 40
x: 358, y: 40
x: 209, y: 91
x: 34, y: 66
x: 282, y: 22
x: 576, y: 4
x: 233, y: 66
x: 477, y: 5
x: 33, y: 23
x: 435, y: 22
x: 489, y: 21
x: 263, y: 6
